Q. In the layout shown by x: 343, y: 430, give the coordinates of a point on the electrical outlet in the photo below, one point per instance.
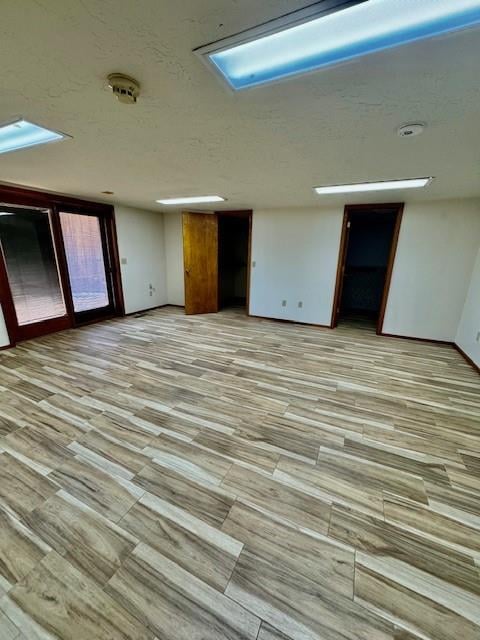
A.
x: 284, y: 303
x: 123, y: 261
x: 300, y: 304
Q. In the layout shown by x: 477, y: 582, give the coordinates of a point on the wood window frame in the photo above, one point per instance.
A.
x: 349, y: 211
x: 55, y: 203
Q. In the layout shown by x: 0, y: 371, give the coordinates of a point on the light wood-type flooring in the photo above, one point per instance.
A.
x: 222, y: 477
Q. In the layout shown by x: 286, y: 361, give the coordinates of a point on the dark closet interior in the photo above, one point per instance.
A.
x: 369, y: 243
x: 233, y: 238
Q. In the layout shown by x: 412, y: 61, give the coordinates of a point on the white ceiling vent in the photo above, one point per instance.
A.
x: 125, y: 88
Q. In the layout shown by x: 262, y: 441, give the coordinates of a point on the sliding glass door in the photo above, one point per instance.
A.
x: 88, y: 262
x: 32, y: 269
x: 59, y: 264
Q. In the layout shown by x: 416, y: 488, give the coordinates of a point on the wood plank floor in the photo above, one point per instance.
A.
x: 219, y: 477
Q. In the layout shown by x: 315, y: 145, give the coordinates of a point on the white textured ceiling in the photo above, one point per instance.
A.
x: 187, y: 135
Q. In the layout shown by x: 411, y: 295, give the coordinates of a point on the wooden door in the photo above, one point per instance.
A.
x: 200, y: 256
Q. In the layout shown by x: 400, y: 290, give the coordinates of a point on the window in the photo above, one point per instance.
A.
x: 85, y: 259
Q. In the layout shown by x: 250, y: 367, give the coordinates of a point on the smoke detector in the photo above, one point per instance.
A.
x: 125, y: 88
x: 411, y: 130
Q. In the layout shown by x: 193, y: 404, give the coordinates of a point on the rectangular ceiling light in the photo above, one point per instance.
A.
x: 191, y: 200
x: 21, y: 134
x: 387, y: 185
x: 338, y: 31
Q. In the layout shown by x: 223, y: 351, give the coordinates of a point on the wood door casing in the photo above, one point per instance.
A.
x: 349, y: 211
x: 340, y: 270
x: 200, y: 256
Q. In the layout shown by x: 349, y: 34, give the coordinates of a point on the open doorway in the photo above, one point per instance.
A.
x: 233, y: 259
x: 367, y: 252
x: 216, y: 255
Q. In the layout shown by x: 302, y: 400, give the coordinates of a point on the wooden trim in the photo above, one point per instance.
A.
x: 306, y: 324
x: 32, y: 197
x: 6, y: 302
x: 249, y: 258
x: 448, y: 343
x: 351, y: 209
x: 242, y: 213
x: 158, y: 306
x: 43, y: 328
x: 380, y: 206
x: 467, y: 358
x: 59, y: 248
x: 391, y: 262
x: 115, y: 265
x: 342, y: 254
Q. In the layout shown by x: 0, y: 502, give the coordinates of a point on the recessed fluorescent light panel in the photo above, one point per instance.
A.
x: 22, y: 134
x: 330, y: 32
x: 387, y: 185
x: 191, y: 200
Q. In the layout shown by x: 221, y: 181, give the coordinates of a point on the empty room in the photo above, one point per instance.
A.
x: 239, y: 320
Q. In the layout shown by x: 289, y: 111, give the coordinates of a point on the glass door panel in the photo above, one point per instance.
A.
x: 32, y: 270
x: 87, y: 264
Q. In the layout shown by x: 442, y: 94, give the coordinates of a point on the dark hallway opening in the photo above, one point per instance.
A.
x: 370, y: 236
x: 233, y: 248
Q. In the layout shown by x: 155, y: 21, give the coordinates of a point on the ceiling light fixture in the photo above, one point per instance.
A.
x: 191, y: 200
x: 386, y: 185
x: 21, y: 134
x: 329, y: 32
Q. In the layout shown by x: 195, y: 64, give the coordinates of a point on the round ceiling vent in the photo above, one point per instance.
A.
x: 411, y: 130
x: 125, y: 88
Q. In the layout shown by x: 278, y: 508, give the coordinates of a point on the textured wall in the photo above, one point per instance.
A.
x: 436, y: 252
x: 141, y: 244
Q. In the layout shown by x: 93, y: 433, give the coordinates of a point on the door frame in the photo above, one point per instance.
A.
x: 86, y: 317
x: 23, y: 196
x: 241, y: 213
x: 349, y: 211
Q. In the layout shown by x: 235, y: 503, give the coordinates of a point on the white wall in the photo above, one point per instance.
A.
x: 4, y: 339
x: 174, y: 257
x: 295, y: 253
x: 436, y: 252
x: 469, y: 327
x: 141, y: 244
